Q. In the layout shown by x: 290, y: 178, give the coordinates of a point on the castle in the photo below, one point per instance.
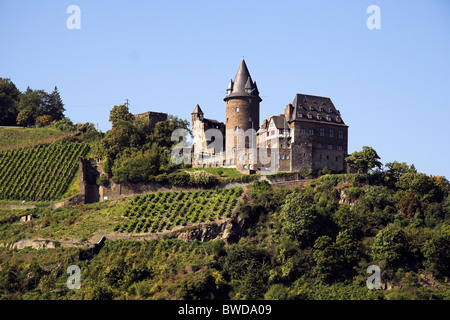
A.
x: 309, y: 135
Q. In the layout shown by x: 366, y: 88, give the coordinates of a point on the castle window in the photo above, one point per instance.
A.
x: 249, y: 119
x: 303, y: 131
x: 322, y: 132
x: 245, y: 166
x: 337, y: 158
x: 311, y: 132
x: 282, y: 156
x: 319, y: 146
x: 287, y: 157
x: 250, y: 100
x: 227, y: 120
x: 339, y: 148
x: 331, y: 133
x: 237, y: 109
x: 328, y: 157
x: 330, y: 147
x: 341, y: 134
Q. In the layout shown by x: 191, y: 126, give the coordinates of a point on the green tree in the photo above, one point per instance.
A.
x: 424, y: 186
x: 120, y: 115
x: 25, y: 118
x: 300, y: 218
x: 9, y: 98
x: 390, y: 245
x: 336, y: 260
x: 247, y: 268
x: 437, y: 252
x: 364, y: 160
x: 54, y: 105
x: 395, y: 170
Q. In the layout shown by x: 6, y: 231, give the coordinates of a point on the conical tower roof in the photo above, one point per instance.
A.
x: 243, y: 85
x: 197, y: 109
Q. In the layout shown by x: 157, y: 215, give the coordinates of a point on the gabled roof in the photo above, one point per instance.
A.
x: 243, y: 85
x: 280, y: 121
x: 320, y: 109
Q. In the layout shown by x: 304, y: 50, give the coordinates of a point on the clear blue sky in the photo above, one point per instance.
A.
x: 391, y: 85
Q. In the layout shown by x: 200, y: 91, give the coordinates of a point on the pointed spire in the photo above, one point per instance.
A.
x: 197, y: 109
x: 230, y: 87
x: 243, y: 84
x: 248, y: 85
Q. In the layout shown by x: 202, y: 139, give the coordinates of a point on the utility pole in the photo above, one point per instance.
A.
x: 126, y: 102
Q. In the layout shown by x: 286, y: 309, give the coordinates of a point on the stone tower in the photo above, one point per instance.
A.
x: 242, y: 112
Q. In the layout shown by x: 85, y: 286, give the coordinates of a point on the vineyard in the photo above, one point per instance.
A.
x: 165, y: 210
x: 40, y: 173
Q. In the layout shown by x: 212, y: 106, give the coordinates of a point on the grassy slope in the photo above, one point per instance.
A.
x: 12, y: 138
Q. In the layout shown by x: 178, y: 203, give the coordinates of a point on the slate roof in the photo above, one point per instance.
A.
x: 243, y: 85
x: 280, y: 121
x: 197, y: 109
x: 314, y: 108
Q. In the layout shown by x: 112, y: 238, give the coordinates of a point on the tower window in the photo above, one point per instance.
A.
x: 227, y: 120
x: 322, y: 132
x: 249, y: 119
x: 331, y: 133
x: 341, y: 134
x: 311, y: 132
x: 237, y: 109
x: 303, y: 131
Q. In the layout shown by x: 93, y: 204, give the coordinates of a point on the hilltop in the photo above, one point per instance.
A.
x: 308, y: 242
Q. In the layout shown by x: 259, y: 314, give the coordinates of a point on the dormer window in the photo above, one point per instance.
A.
x: 319, y: 117
x: 310, y: 116
x: 338, y: 119
x: 300, y: 115
x: 328, y: 118
x: 229, y: 91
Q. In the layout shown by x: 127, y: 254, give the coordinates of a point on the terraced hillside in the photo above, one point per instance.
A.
x: 39, y: 173
x: 165, y: 210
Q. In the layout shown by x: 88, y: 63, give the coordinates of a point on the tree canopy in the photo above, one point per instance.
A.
x: 364, y: 160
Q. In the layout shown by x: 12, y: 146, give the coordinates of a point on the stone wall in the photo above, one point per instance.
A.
x: 88, y: 175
